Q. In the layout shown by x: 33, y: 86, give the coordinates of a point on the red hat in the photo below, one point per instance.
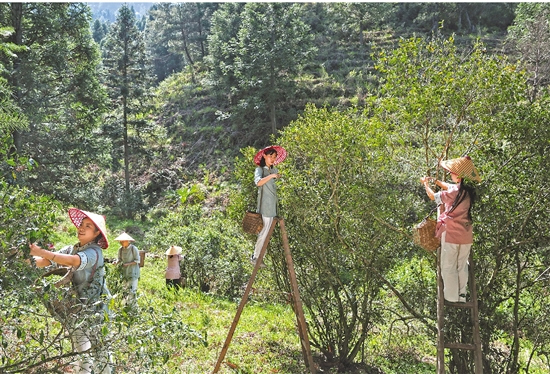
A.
x: 77, y: 215
x: 281, y: 154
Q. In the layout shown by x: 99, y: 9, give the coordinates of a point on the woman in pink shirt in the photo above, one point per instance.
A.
x: 454, y: 224
x: 173, y: 272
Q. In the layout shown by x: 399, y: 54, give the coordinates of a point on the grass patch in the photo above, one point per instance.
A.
x: 265, y: 340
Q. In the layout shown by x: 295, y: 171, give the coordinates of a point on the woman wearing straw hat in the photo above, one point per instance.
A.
x: 264, y: 178
x: 173, y: 271
x: 128, y: 258
x: 88, y: 280
x: 454, y: 225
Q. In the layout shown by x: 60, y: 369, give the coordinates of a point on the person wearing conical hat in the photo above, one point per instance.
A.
x: 88, y: 280
x: 454, y: 224
x: 128, y: 259
x: 173, y: 271
x: 264, y: 178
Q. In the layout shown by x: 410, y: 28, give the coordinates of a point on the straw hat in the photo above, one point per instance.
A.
x: 173, y: 250
x: 281, y: 154
x: 463, y: 167
x: 77, y: 215
x: 124, y: 238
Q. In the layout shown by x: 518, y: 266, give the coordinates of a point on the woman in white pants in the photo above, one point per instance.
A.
x: 264, y: 178
x: 128, y: 259
x: 454, y: 225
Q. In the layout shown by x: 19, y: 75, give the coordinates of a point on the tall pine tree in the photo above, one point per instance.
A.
x: 177, y: 35
x: 127, y: 79
x: 53, y: 80
x: 262, y: 52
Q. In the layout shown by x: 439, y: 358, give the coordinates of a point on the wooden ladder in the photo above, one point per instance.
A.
x: 295, y: 298
x: 474, y: 346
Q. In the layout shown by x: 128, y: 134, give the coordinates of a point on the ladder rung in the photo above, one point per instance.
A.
x: 470, y: 347
x: 469, y: 304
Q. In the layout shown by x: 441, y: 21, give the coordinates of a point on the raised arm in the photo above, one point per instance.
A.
x: 45, y: 258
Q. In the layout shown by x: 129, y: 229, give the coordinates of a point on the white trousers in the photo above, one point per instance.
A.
x: 454, y: 269
x: 262, y: 235
x: 99, y: 363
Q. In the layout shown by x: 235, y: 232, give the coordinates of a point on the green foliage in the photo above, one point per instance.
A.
x: 437, y: 104
x: 436, y: 107
x: 53, y: 79
x: 178, y: 35
x: 214, y: 259
x: 26, y: 217
x: 530, y: 36
x: 259, y: 79
x: 353, y: 19
x: 349, y: 198
x: 128, y: 80
x: 11, y: 118
x: 464, y: 18
x: 349, y: 192
x: 335, y: 200
x: 244, y: 196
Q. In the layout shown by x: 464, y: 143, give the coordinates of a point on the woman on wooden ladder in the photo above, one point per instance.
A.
x: 264, y: 178
x: 454, y: 225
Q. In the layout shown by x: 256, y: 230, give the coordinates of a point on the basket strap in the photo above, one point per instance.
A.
x: 261, y: 191
x: 431, y: 212
x: 95, y: 265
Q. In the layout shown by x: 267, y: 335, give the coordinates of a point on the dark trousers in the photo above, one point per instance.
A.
x: 173, y: 283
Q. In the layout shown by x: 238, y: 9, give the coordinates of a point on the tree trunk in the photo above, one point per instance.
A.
x: 272, y: 91
x: 199, y: 24
x: 125, y: 132
x: 468, y: 21
x: 188, y: 55
x: 272, y: 115
x: 125, y: 144
x: 514, y: 351
x: 16, y: 16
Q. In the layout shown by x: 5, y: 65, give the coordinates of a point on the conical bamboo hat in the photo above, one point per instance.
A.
x: 124, y: 237
x: 463, y: 167
x: 173, y: 250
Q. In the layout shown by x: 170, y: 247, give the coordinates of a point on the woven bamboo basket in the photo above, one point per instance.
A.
x: 66, y: 274
x: 252, y: 223
x: 424, y: 235
x: 65, y: 303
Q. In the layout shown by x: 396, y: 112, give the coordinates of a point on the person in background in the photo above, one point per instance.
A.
x: 264, y: 178
x: 173, y: 272
x: 86, y: 259
x: 128, y: 259
x: 454, y: 225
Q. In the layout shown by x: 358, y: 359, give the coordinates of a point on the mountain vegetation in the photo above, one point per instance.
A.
x: 152, y: 118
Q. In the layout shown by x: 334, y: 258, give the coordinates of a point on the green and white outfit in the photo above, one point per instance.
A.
x: 267, y: 203
x: 130, y: 273
x: 85, y: 332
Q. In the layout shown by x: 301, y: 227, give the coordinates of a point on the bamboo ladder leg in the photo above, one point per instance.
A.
x: 244, y: 298
x: 297, y: 302
x: 475, y: 346
x: 440, y: 318
x: 478, y: 358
